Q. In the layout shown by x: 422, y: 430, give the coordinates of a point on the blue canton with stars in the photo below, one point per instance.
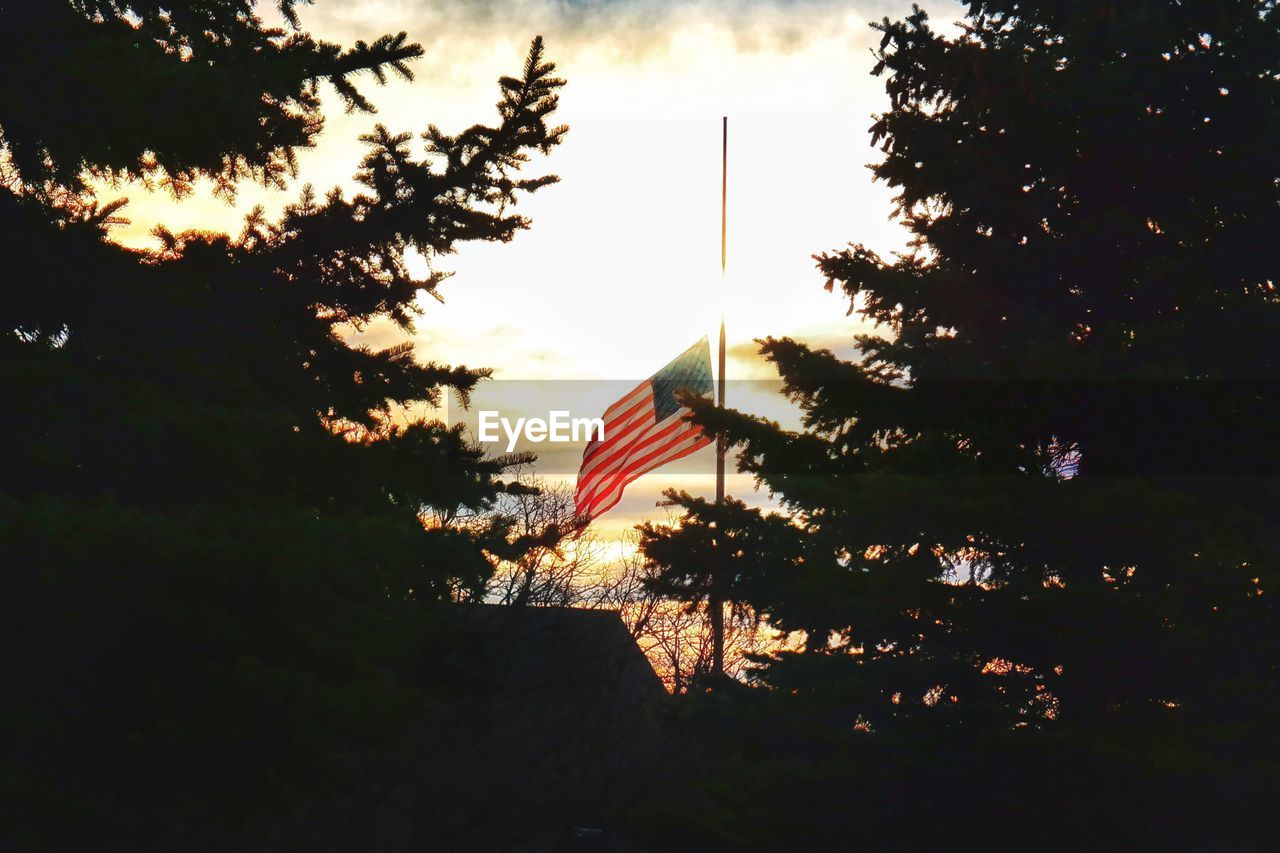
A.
x: 690, y: 370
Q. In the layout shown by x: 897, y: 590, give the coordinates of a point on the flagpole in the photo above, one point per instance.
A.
x: 724, y: 195
x: 716, y: 603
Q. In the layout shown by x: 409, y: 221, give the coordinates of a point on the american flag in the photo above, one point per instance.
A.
x: 644, y: 430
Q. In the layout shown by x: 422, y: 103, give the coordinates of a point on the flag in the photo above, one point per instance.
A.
x: 644, y: 430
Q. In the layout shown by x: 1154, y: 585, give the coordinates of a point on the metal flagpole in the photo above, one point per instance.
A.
x: 716, y: 603
x: 724, y: 194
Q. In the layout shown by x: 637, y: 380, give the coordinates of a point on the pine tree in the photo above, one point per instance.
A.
x: 224, y: 552
x: 1038, y: 505
x: 719, y: 554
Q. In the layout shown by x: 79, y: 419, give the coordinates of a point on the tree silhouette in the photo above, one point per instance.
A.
x: 721, y: 554
x: 222, y: 553
x: 546, y: 571
x: 200, y: 88
x: 1038, y: 505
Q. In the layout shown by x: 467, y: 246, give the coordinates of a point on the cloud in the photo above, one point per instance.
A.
x: 626, y: 28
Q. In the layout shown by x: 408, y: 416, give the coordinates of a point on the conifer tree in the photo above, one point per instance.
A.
x: 719, y: 554
x: 1039, y: 504
x: 224, y: 547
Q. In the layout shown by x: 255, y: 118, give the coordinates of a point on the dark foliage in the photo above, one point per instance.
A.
x: 1039, y: 561
x: 219, y: 587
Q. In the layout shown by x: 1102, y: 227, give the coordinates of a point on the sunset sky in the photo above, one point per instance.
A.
x: 620, y: 271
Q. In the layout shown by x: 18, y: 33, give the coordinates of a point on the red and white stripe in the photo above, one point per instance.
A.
x: 633, y: 445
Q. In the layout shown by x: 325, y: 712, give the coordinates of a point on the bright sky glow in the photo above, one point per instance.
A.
x: 620, y: 271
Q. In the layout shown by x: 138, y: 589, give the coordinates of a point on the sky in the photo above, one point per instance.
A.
x: 620, y: 270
